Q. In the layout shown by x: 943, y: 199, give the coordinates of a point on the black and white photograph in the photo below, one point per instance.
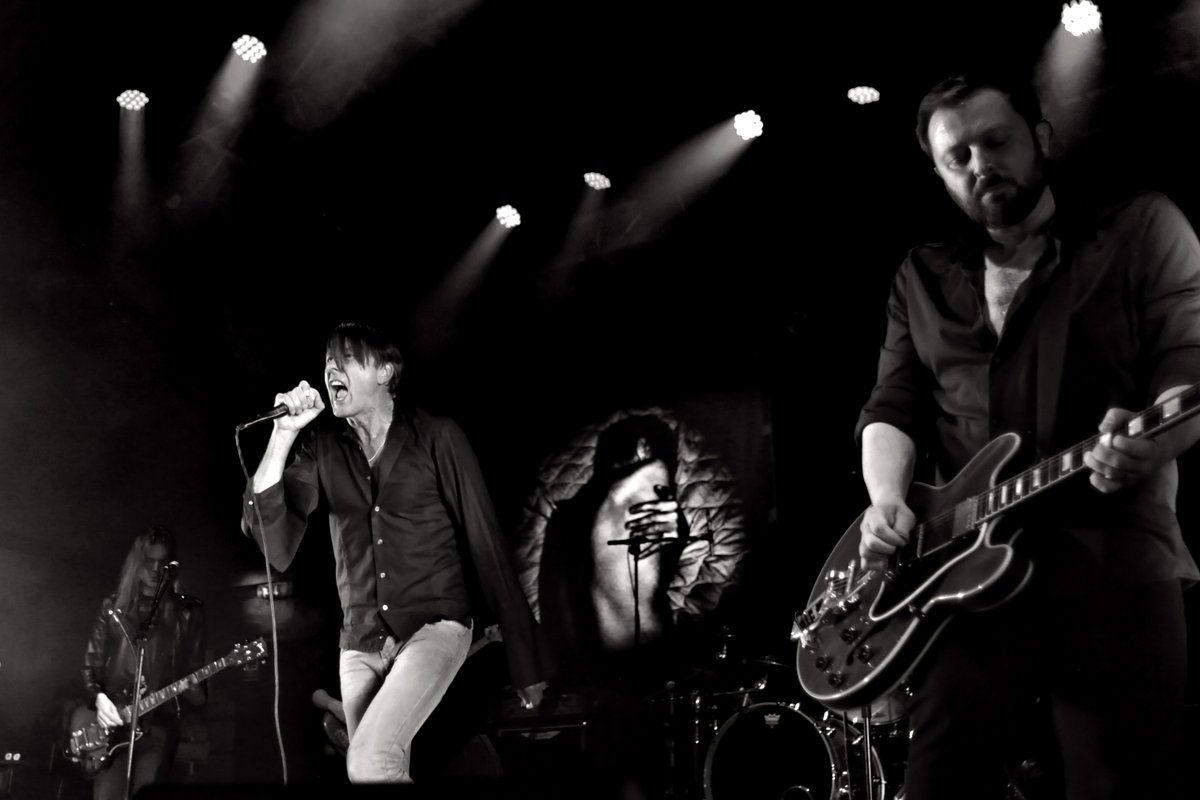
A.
x: 602, y: 400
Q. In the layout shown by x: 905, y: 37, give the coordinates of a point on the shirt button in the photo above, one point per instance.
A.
x: 379, y: 542
x: 383, y: 575
x: 384, y: 606
x: 376, y: 509
x: 249, y: 502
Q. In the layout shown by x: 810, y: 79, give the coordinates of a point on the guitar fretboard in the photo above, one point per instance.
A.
x: 153, y: 700
x: 967, y: 515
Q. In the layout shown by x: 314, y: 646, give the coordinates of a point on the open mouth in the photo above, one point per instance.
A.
x: 338, y: 391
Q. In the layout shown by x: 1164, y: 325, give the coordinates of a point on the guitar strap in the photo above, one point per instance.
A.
x: 1055, y: 316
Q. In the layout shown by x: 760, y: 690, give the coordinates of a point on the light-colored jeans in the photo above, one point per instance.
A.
x: 387, y: 696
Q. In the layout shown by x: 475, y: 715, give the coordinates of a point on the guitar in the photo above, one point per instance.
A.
x: 89, y: 742
x: 864, y: 630
x: 333, y: 721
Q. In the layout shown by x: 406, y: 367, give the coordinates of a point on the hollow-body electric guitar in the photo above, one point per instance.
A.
x: 864, y: 630
x: 92, y: 745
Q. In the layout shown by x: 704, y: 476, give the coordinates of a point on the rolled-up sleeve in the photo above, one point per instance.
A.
x: 465, y: 495
x: 1169, y: 329
x: 902, y: 384
x: 284, y: 507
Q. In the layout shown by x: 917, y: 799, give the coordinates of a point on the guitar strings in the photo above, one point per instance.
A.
x: 1040, y: 477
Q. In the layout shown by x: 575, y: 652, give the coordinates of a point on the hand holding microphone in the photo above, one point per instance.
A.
x: 303, y: 404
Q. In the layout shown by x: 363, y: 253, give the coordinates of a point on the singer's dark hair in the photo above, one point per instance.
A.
x: 127, y: 585
x: 955, y: 89
x: 633, y: 441
x: 365, y: 343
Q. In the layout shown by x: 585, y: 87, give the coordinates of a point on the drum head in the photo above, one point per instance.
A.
x: 769, y: 751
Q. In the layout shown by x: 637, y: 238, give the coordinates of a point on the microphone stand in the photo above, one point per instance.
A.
x: 143, y: 633
x: 635, y: 549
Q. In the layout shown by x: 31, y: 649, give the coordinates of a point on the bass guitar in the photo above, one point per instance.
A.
x: 92, y: 744
x: 863, y: 630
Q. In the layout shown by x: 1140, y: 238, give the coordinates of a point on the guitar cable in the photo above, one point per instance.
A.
x: 271, y: 604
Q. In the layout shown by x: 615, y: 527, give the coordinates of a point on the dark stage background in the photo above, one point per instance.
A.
x: 135, y: 339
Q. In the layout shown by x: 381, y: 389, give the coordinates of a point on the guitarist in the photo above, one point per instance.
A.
x: 174, y: 649
x: 1045, y: 320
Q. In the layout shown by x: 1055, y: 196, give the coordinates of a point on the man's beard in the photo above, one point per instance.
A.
x: 1011, y: 210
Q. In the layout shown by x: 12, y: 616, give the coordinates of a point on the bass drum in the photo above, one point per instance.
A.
x: 773, y: 751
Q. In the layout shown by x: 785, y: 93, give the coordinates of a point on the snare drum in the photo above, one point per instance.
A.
x: 886, y: 710
x: 773, y: 751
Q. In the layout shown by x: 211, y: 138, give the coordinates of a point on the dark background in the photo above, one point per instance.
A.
x: 134, y: 342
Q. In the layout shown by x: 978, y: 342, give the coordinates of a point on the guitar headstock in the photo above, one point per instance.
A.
x: 245, y: 652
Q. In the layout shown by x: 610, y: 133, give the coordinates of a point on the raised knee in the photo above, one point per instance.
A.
x: 364, y: 765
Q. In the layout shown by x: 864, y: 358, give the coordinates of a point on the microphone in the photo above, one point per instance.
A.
x: 278, y: 411
x: 170, y: 568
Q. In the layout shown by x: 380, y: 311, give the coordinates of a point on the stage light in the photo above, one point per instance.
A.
x: 863, y: 95
x: 281, y: 590
x: 249, y: 48
x: 1080, y: 17
x: 508, y: 216
x: 132, y: 99
x: 748, y: 125
x: 596, y: 180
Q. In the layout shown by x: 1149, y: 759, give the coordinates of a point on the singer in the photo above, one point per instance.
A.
x: 408, y: 512
x: 174, y: 649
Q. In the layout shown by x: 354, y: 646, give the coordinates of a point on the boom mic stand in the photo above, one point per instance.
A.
x: 143, y: 633
x: 635, y: 549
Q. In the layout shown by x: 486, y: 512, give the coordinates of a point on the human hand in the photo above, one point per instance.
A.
x: 885, y: 528
x: 654, y: 519
x: 304, y: 403
x: 106, y: 712
x: 1118, y: 461
x: 531, y: 696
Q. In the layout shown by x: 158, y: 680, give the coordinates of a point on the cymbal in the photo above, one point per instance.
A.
x: 770, y: 662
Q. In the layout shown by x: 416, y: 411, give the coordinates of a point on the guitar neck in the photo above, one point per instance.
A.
x: 155, y: 699
x: 1041, y: 476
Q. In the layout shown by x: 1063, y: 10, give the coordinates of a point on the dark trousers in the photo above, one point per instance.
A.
x: 1111, y: 668
x: 152, y: 758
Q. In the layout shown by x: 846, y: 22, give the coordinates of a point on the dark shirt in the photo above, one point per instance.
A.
x: 398, y: 530
x: 1128, y: 282
x: 174, y: 649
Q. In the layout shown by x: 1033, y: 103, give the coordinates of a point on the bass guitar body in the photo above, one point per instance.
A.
x: 863, y: 631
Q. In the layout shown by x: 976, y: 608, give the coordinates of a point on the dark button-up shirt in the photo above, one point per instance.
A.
x: 399, y: 529
x: 1128, y: 282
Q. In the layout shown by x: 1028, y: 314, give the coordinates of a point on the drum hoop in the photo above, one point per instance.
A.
x: 741, y: 712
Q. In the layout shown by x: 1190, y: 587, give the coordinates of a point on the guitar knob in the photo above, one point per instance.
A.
x: 865, y: 652
x: 823, y: 662
x: 836, y: 679
x: 849, y: 634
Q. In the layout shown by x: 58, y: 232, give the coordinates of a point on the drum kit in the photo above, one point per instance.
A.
x: 744, y: 730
